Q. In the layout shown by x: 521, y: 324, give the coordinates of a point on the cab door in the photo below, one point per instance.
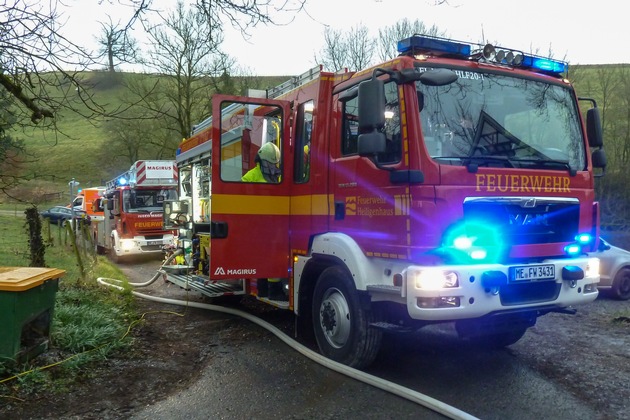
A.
x: 249, y: 222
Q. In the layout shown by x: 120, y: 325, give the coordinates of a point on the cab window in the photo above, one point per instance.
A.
x: 304, y: 131
x: 251, y: 143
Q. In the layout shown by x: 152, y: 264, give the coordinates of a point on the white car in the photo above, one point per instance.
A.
x: 614, y: 270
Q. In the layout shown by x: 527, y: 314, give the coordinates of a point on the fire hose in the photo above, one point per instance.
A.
x: 391, y: 387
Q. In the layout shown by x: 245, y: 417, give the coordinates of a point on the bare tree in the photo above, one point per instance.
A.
x: 361, y: 47
x: 388, y: 37
x: 353, y: 49
x: 116, y: 45
x: 245, y: 14
x: 185, y: 52
x: 35, y: 59
x: 334, y: 55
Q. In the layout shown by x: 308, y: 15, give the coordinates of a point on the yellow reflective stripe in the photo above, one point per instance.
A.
x: 302, y: 205
x: 306, y: 205
x: 250, y: 204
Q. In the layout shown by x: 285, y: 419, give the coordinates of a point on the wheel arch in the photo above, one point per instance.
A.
x: 342, y: 248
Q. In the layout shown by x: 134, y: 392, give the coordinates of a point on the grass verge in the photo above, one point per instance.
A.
x: 89, y: 322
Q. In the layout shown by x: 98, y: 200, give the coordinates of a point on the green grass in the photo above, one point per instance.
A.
x: 90, y: 321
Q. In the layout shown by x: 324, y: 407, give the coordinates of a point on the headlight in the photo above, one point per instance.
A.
x: 592, y: 267
x: 126, y: 244
x: 435, y: 279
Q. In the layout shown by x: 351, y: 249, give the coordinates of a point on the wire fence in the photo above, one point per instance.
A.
x: 77, y: 236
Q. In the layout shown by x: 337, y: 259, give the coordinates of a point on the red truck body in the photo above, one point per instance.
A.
x: 446, y: 185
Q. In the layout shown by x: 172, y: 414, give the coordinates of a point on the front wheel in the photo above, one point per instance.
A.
x: 341, y: 322
x: 621, y: 284
x: 112, y: 252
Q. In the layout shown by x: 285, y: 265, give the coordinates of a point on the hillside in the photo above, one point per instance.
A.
x: 80, y: 147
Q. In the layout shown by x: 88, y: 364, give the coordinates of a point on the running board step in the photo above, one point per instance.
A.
x: 206, y: 287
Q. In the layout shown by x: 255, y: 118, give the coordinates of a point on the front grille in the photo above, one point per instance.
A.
x: 153, y: 237
x: 517, y: 294
x: 527, y: 220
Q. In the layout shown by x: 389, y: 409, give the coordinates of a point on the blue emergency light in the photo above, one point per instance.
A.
x: 422, y: 44
x: 427, y: 45
x: 545, y: 64
x: 122, y: 181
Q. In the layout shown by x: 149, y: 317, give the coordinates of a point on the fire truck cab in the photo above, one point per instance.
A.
x: 133, y: 205
x: 454, y: 183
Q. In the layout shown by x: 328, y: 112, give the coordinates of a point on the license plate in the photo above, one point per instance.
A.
x: 149, y: 243
x: 533, y: 272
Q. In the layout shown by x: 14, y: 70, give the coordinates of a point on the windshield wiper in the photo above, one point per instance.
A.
x: 484, y: 160
x: 550, y: 162
x: 472, y: 163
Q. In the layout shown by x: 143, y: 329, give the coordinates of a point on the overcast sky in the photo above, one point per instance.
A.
x: 578, y: 32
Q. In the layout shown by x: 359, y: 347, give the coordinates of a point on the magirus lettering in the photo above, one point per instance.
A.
x: 235, y: 271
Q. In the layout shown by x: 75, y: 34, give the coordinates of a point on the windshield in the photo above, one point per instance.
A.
x: 146, y: 201
x: 494, y: 120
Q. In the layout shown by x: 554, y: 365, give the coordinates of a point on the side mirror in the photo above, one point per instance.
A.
x: 599, y: 158
x: 371, y: 140
x: 594, y: 128
x: 110, y: 205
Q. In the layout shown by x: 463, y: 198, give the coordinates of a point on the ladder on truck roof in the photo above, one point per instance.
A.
x: 272, y: 93
x: 113, y: 183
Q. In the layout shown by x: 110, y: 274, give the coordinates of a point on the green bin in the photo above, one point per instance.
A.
x: 27, y: 300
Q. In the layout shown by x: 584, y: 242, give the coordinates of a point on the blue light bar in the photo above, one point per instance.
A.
x: 545, y: 64
x: 423, y: 44
x: 122, y: 181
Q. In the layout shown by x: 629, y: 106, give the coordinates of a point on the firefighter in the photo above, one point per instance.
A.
x: 266, y: 169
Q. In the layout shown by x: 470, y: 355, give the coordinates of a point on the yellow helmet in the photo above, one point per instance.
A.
x: 270, y: 153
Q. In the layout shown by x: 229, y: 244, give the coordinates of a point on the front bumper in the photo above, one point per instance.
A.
x: 492, y: 288
x: 142, y: 245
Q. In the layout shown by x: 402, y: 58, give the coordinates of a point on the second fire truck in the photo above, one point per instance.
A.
x: 132, y: 204
x: 454, y: 183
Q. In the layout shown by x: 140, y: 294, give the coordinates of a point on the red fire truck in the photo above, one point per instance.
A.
x: 454, y: 183
x: 133, y: 204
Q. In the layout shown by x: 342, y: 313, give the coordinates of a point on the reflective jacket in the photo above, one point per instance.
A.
x: 254, y: 175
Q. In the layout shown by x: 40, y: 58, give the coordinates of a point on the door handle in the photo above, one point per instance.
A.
x: 218, y: 230
x: 340, y: 210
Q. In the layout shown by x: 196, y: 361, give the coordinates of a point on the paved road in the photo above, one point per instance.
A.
x: 241, y: 382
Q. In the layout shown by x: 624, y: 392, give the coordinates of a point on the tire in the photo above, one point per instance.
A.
x: 341, y: 323
x: 621, y: 284
x: 112, y: 253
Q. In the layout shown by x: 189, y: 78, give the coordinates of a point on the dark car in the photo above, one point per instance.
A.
x: 60, y: 214
x: 614, y: 270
